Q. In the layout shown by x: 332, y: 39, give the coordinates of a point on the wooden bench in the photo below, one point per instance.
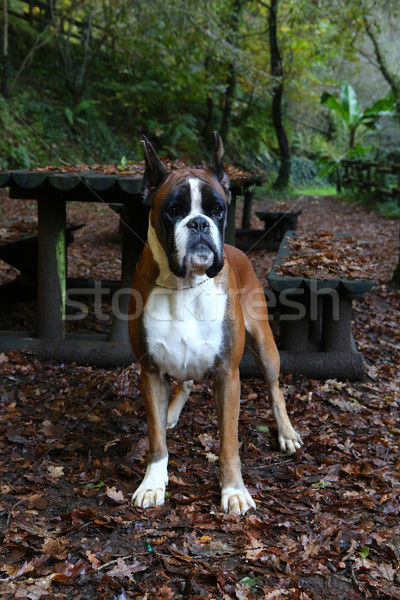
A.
x: 276, y: 224
x: 316, y: 338
x: 19, y: 248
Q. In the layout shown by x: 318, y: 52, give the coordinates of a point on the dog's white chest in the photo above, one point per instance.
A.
x: 184, y: 329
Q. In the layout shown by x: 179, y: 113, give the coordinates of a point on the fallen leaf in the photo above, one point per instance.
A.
x: 121, y: 569
x: 117, y: 496
x: 55, y: 472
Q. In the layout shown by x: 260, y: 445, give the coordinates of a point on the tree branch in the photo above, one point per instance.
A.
x: 391, y: 79
x: 27, y: 58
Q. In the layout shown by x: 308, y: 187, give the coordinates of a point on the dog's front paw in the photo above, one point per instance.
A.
x: 236, y: 501
x: 289, y: 441
x: 151, y: 492
x: 145, y: 498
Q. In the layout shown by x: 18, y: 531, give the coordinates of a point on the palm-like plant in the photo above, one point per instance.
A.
x: 352, y: 117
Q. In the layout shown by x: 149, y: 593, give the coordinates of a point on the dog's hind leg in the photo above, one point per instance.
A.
x: 261, y: 343
x: 267, y: 358
x: 178, y: 402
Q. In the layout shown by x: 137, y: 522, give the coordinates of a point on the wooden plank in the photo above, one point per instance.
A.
x: 4, y: 179
x: 52, y: 262
x: 230, y: 231
x: 384, y: 191
x: 28, y: 180
x: 247, y: 206
x: 64, y: 182
x: 99, y: 183
x: 384, y: 170
x: 130, y: 185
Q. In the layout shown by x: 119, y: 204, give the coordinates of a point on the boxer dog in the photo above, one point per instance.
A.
x: 195, y: 302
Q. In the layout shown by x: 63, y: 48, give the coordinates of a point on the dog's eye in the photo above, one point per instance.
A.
x: 218, y: 210
x: 173, y: 210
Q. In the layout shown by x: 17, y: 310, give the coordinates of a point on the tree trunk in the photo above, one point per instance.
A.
x: 394, y: 82
x: 282, y: 180
x: 6, y: 57
x: 396, y: 275
x: 231, y: 79
x: 352, y: 137
x: 391, y: 78
x: 229, y: 95
x: 207, y: 128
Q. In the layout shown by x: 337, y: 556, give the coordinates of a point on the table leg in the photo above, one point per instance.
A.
x: 134, y: 223
x: 295, y: 325
x: 247, y: 206
x: 52, y: 270
x: 336, y: 329
x: 230, y: 232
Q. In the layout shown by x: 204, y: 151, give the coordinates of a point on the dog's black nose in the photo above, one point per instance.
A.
x: 199, y: 224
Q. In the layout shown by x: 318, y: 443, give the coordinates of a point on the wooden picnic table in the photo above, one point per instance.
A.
x: 53, y: 190
x: 316, y: 337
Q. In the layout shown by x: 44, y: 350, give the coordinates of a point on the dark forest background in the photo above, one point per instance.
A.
x: 81, y: 81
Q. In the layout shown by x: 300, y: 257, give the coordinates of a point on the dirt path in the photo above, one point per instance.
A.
x: 73, y: 447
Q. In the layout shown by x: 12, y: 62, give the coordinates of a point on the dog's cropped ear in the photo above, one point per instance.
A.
x: 155, y: 172
x: 217, y: 165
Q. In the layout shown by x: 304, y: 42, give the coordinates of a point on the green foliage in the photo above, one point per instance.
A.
x: 250, y: 581
x: 94, y: 486
x: 387, y: 208
x: 317, y: 189
x: 161, y: 67
x: 321, y: 485
x: 36, y: 133
x: 73, y: 114
x: 382, y: 107
x: 303, y: 170
x: 364, y: 551
x: 262, y: 428
x: 352, y: 119
x: 17, y: 146
x: 347, y: 108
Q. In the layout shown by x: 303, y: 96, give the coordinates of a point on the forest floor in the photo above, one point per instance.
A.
x: 74, y: 440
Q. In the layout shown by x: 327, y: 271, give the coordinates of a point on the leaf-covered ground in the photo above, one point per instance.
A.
x: 73, y: 446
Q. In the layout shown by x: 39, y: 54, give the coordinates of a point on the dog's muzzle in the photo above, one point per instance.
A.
x: 203, y: 248
x: 199, y: 225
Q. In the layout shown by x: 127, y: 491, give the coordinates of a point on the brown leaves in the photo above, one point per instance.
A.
x: 121, y: 569
x: 315, y: 515
x: 137, y: 168
x: 332, y: 510
x: 324, y: 255
x: 18, y: 229
x: 254, y: 549
x: 115, y: 495
x: 327, y: 520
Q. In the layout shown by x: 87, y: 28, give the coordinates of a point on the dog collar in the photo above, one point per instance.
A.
x: 171, y: 287
x: 186, y: 287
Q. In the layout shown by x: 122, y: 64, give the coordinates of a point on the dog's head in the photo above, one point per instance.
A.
x: 188, y: 211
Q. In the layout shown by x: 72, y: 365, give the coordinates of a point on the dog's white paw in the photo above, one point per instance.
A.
x: 236, y: 501
x: 290, y: 441
x: 151, y: 492
x: 148, y: 498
